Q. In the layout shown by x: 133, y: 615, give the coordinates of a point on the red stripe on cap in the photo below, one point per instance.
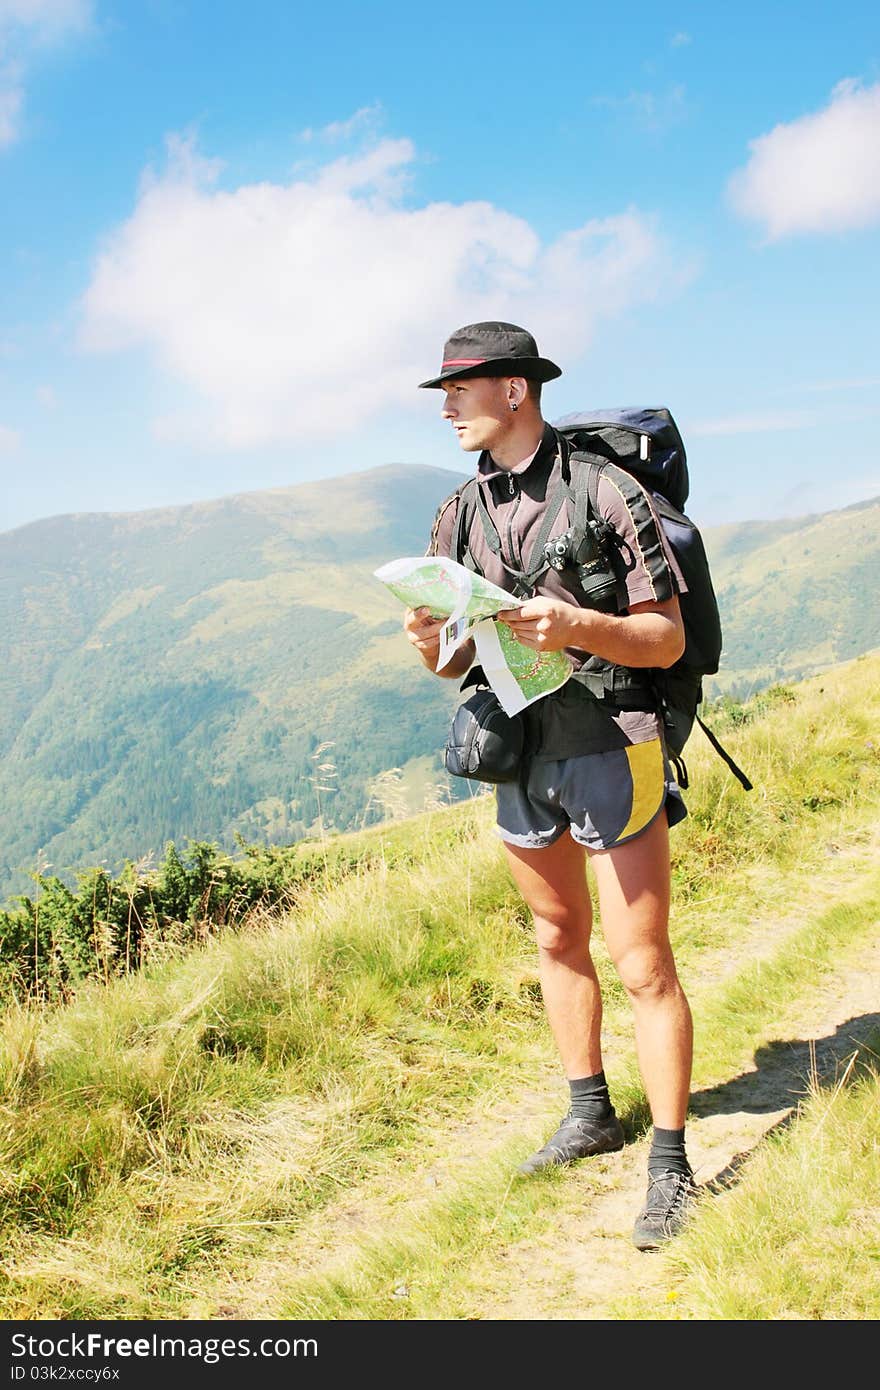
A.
x: 464, y: 362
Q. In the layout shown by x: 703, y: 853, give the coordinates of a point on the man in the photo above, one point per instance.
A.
x: 595, y: 781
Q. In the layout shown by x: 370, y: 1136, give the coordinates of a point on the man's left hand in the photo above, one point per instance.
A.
x: 545, y: 624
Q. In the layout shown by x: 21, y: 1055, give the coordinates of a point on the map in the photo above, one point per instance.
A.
x: 516, y: 673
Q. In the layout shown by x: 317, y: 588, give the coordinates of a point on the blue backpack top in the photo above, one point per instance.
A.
x: 644, y: 441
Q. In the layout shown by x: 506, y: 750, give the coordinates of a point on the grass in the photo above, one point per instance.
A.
x: 165, y: 1133
x: 153, y: 1112
x: 448, y: 1264
x: 798, y: 1237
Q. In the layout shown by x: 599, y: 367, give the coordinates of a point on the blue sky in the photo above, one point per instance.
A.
x: 233, y: 238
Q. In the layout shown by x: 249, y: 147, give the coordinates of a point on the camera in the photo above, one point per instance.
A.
x: 589, y: 558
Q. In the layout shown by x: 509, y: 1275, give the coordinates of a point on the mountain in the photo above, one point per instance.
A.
x: 233, y: 667
x: 796, y: 596
x: 173, y: 673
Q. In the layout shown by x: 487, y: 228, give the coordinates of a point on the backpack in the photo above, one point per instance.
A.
x: 647, y: 444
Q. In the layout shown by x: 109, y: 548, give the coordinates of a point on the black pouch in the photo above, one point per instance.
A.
x: 484, y: 744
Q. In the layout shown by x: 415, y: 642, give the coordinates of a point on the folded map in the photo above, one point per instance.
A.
x: 516, y: 673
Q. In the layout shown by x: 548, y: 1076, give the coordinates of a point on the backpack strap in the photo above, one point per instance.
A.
x: 676, y: 758
x: 463, y: 519
x: 723, y: 753
x: 524, y: 580
x: 622, y: 686
x: 585, y: 499
x: 585, y: 492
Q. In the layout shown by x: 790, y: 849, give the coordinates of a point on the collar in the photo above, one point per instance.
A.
x: 487, y: 468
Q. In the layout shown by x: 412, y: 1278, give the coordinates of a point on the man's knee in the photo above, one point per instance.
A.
x: 561, y: 930
x: 648, y: 973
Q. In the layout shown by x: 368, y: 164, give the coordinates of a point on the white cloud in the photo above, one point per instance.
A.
x: 856, y: 383
x: 680, y: 40
x: 820, y: 173
x: 11, y: 97
x: 366, y: 116
x: 46, y: 19
x: 655, y: 112
x: 831, y: 493
x: 302, y: 309
x: 25, y: 26
x: 9, y: 440
x: 753, y: 424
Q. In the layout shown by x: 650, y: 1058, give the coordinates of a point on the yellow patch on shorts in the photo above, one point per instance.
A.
x: 648, y: 785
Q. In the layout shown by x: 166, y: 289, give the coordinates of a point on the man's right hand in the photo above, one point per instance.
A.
x: 423, y: 631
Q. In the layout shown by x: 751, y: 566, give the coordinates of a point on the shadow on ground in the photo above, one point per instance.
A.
x: 784, y: 1073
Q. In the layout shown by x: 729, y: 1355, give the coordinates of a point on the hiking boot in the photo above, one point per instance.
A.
x: 665, y: 1212
x: 575, y: 1139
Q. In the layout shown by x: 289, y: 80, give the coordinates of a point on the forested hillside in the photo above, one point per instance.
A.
x: 227, y: 667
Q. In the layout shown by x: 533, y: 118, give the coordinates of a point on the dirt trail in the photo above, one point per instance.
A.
x: 584, y: 1270
x: 585, y: 1266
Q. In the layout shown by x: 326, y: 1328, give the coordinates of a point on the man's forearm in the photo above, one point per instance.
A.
x: 458, y: 665
x: 634, y: 639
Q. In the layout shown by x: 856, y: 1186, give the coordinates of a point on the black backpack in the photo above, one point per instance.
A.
x: 647, y: 444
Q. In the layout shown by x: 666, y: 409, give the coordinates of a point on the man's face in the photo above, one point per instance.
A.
x: 479, y: 410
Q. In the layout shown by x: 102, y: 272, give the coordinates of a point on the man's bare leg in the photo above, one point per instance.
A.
x: 633, y: 883
x: 553, y: 882
x: 554, y: 885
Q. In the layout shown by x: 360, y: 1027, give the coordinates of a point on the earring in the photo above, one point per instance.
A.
x: 513, y: 405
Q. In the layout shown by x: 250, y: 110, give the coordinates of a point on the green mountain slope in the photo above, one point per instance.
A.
x: 796, y: 596
x: 177, y: 673
x: 172, y: 673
